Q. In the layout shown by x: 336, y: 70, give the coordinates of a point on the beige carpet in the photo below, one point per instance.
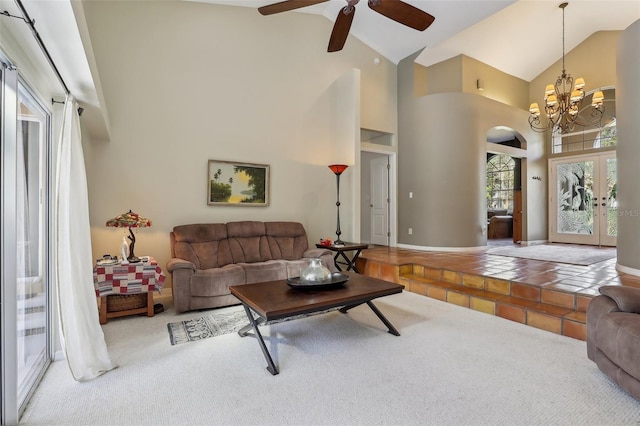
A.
x: 559, y: 253
x: 450, y: 366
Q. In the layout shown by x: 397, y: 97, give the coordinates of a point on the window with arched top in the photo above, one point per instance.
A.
x: 500, y: 182
x: 599, y: 134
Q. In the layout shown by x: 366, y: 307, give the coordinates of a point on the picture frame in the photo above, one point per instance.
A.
x: 234, y: 183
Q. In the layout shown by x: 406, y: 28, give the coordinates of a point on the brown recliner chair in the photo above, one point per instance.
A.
x: 613, y: 335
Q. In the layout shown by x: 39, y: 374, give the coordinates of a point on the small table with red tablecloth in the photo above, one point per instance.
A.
x: 127, y: 289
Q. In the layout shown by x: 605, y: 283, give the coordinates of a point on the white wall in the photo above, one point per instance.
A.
x: 187, y: 82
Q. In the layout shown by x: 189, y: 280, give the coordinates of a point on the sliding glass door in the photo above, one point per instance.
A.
x: 25, y: 340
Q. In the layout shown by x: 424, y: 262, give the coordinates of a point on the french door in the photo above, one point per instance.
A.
x: 582, y: 195
x: 25, y: 331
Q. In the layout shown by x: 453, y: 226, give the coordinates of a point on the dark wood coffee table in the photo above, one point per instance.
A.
x: 276, y: 300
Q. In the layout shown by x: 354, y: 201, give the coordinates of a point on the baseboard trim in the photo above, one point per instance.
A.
x: 451, y: 249
x: 533, y: 242
x: 627, y: 270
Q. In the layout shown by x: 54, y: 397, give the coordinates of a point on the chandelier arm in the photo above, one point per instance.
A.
x: 534, y: 122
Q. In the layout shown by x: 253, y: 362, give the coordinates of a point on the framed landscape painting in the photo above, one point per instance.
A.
x: 231, y: 183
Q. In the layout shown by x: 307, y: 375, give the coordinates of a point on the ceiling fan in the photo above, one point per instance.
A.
x: 397, y: 10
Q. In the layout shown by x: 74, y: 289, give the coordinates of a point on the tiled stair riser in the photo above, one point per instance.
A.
x: 551, y: 310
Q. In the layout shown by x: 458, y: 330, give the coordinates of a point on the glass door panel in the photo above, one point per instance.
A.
x: 609, y: 202
x: 25, y: 345
x: 31, y: 242
x: 582, y: 200
x: 574, y: 195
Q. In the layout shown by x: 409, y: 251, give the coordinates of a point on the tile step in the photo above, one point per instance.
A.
x: 527, y: 310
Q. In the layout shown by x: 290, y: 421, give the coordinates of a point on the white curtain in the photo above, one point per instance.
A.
x: 81, y: 335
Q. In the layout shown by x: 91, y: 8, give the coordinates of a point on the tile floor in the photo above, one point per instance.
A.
x: 548, y: 295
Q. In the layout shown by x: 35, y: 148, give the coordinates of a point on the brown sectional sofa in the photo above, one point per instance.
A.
x: 613, y: 335
x: 208, y: 258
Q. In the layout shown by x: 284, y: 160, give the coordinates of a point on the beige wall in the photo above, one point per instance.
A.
x: 187, y: 82
x: 442, y: 157
x: 445, y: 76
x: 441, y: 141
x: 461, y: 74
x: 628, y: 65
x: 497, y: 85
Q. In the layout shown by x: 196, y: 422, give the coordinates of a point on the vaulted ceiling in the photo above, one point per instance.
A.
x: 521, y: 38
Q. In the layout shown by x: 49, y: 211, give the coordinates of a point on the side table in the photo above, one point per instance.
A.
x: 130, y: 286
x: 341, y: 257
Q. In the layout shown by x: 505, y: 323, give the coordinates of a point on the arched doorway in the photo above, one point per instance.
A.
x: 504, y: 184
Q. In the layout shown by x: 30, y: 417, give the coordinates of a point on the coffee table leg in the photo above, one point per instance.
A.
x: 376, y: 311
x: 386, y: 322
x: 273, y: 369
x: 244, y: 331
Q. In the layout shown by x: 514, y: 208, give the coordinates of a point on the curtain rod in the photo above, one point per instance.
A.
x: 32, y: 25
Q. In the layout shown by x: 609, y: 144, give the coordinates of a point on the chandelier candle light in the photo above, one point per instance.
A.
x: 338, y: 169
x: 562, y: 101
x: 130, y: 220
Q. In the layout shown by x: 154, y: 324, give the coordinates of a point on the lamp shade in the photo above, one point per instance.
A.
x: 534, y: 109
x: 549, y: 90
x: 576, y: 96
x: 598, y: 98
x: 129, y: 220
x: 338, y: 168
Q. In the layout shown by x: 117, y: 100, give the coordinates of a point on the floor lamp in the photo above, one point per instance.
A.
x: 338, y: 169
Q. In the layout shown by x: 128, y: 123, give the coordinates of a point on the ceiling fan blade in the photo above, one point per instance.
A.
x: 287, y: 5
x: 341, y: 28
x: 403, y: 13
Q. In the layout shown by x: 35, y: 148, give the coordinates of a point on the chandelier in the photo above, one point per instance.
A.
x: 562, y: 102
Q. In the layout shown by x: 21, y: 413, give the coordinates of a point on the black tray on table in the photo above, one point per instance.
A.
x: 337, y: 280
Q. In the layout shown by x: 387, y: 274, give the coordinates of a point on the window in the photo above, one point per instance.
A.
x: 600, y: 135
x: 500, y: 182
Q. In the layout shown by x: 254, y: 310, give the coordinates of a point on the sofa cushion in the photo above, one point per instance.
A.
x: 216, y: 281
x: 287, y: 240
x: 247, y: 242
x: 618, y: 337
x: 204, y: 245
x: 257, y: 272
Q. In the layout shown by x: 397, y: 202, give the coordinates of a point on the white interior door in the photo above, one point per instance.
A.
x: 582, y: 204
x: 380, y: 201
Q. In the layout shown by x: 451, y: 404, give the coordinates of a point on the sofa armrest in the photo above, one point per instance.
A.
x: 316, y: 252
x: 627, y: 298
x: 177, y: 263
